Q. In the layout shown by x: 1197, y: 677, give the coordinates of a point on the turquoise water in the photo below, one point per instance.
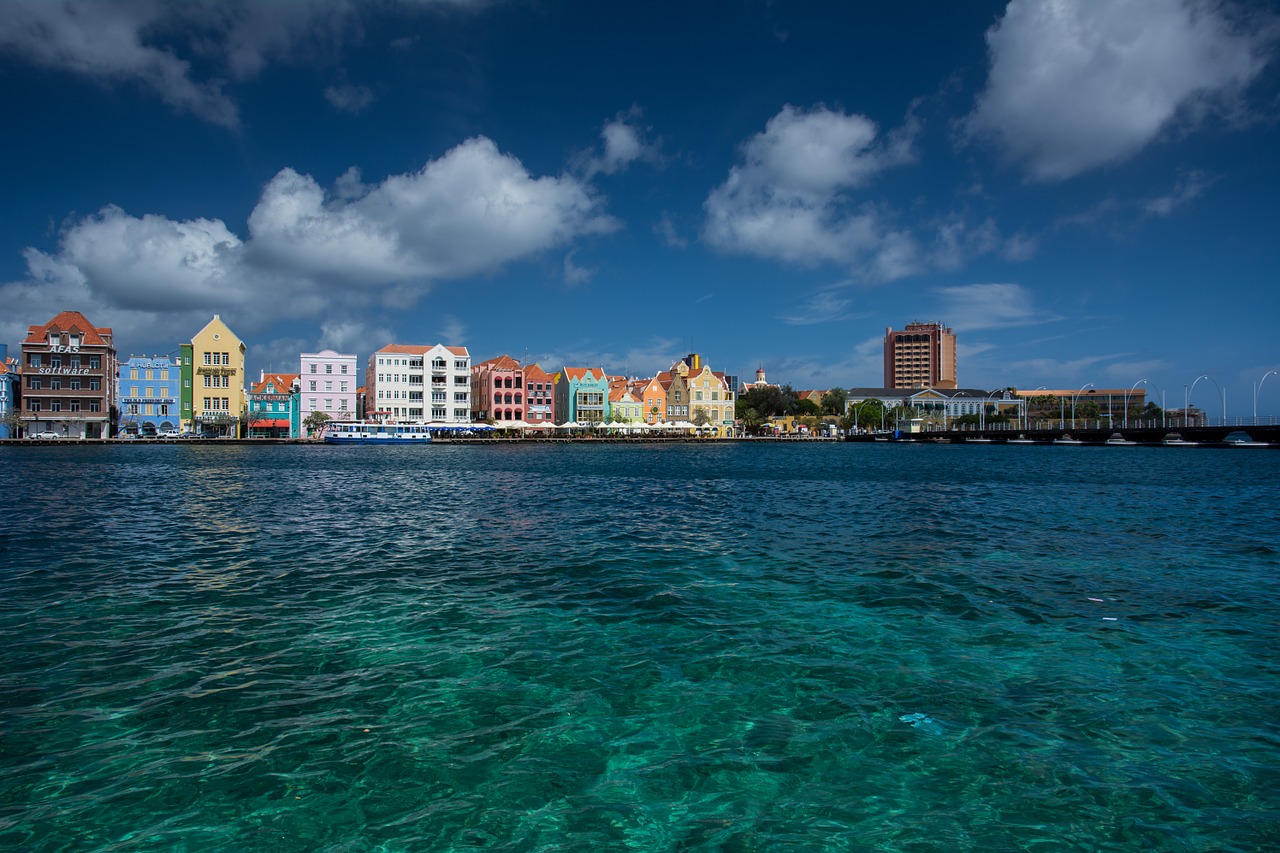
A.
x: 658, y: 648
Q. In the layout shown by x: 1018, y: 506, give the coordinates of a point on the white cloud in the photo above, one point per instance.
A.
x: 152, y: 42
x: 991, y: 306
x: 788, y: 199
x: 826, y: 306
x: 468, y: 213
x: 1188, y: 186
x: 1078, y: 84
x: 624, y: 143
x: 574, y: 274
x: 451, y: 333
x: 349, y: 99
x: 666, y: 229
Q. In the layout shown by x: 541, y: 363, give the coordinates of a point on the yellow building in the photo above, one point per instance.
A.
x: 217, y: 380
x: 701, y: 396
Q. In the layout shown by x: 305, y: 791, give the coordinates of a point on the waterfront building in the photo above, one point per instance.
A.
x: 497, y: 390
x: 69, y: 371
x: 701, y: 396
x: 213, y: 381
x: 420, y: 383
x: 761, y: 381
x: 923, y: 355
x: 624, y: 406
x: 327, y: 383
x: 540, y: 407
x: 1108, y: 404
x: 10, y: 393
x: 652, y: 395
x: 275, y: 409
x: 581, y: 395
x: 940, y: 406
x: 148, y: 394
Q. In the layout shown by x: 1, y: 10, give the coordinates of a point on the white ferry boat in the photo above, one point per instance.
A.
x: 376, y: 432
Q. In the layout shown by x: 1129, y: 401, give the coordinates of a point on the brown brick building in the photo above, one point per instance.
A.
x: 923, y: 355
x: 69, y: 371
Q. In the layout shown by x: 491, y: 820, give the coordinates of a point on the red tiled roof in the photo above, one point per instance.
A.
x: 502, y: 362
x: 534, y: 372
x: 282, y: 382
x: 583, y: 372
x: 69, y: 321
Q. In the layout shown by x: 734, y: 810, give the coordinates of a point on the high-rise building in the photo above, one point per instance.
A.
x: 923, y: 355
x: 419, y: 383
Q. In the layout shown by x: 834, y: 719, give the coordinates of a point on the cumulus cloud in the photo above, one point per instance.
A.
x: 991, y: 306
x: 1078, y: 84
x: 788, y: 198
x: 623, y: 142
x: 468, y: 213
x: 826, y: 306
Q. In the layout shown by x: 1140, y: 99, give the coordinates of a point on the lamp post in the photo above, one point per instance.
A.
x: 1073, y: 401
x: 1026, y: 416
x: 1126, y: 400
x: 1257, y: 386
x: 982, y: 416
x: 1187, y: 403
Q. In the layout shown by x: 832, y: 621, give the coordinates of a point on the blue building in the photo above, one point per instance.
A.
x: 10, y: 383
x: 147, y: 392
x: 581, y: 395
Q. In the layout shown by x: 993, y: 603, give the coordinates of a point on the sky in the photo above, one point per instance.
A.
x: 1088, y: 193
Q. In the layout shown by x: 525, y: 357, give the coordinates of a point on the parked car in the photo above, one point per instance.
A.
x: 167, y: 433
x: 44, y: 435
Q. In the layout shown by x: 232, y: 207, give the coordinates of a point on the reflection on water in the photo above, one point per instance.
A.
x: 651, y: 648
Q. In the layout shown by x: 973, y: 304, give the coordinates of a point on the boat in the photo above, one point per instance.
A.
x: 1173, y: 439
x: 1117, y: 438
x: 977, y: 441
x: 1021, y: 439
x: 1239, y: 438
x: 376, y: 432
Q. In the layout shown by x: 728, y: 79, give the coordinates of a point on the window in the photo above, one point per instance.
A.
x: 74, y: 406
x: 328, y: 386
x: 55, y: 384
x: 74, y: 384
x: 133, y: 373
x: 35, y: 383
x: 226, y: 358
x: 313, y: 386
x: 342, y: 387
x: 95, y: 362
x: 151, y: 374
x: 186, y: 383
x: 34, y: 359
x: 55, y: 361
x: 460, y: 364
x: 34, y: 405
x: 344, y: 368
x: 313, y: 367
x: 95, y: 405
x: 328, y: 403
x: 95, y: 384
x: 55, y: 405
x: 151, y: 392
x: 208, y: 358
x: 328, y: 368
x: 438, y: 364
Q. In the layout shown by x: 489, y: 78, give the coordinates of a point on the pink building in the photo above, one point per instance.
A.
x: 497, y: 390
x: 540, y: 407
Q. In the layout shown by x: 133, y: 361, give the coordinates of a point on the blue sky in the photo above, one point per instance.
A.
x: 1087, y: 192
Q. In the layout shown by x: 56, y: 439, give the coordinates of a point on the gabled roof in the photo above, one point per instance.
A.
x: 587, y: 373
x: 70, y: 321
x: 502, y: 362
x: 620, y: 394
x: 421, y: 349
x: 282, y: 382
x: 536, y: 373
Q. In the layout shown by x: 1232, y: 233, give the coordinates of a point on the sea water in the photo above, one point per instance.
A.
x: 771, y: 647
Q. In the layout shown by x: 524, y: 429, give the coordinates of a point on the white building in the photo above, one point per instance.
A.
x: 419, y: 383
x: 328, y: 382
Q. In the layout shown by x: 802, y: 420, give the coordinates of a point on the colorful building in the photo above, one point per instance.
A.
x: 69, y: 374
x: 419, y: 383
x: 148, y: 393
x: 213, y: 375
x: 10, y: 393
x: 497, y: 390
x: 581, y: 395
x: 329, y: 384
x: 701, y: 396
x: 274, y: 410
x: 624, y: 406
x: 923, y: 355
x: 652, y: 395
x: 540, y: 405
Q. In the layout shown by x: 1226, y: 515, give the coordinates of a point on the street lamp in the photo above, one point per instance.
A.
x: 982, y: 415
x: 1073, y: 401
x: 1126, y: 400
x: 1257, y: 386
x: 1026, y: 422
x: 1190, y: 390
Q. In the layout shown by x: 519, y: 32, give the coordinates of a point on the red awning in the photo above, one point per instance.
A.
x: 284, y: 424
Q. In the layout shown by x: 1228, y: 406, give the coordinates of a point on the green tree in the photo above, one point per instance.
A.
x: 700, y: 417
x: 751, y: 419
x: 806, y: 408
x: 834, y: 401
x: 315, y: 422
x: 13, y: 420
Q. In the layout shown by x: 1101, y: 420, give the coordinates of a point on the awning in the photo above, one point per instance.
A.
x: 270, y: 424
